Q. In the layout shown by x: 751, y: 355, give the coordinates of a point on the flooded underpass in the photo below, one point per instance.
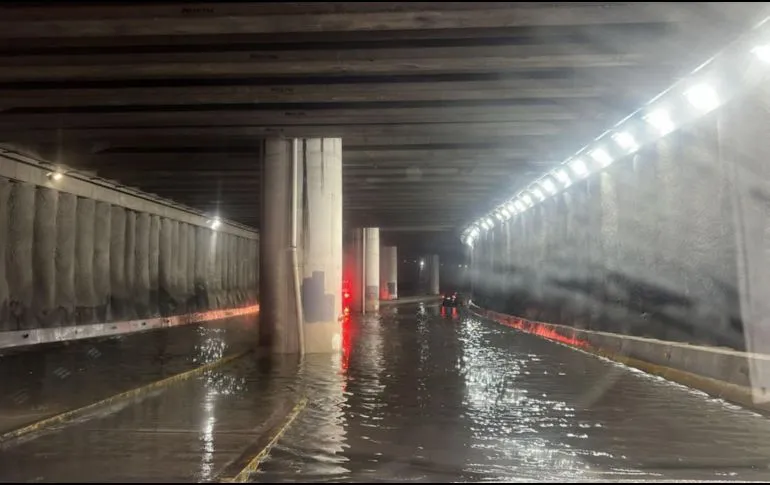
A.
x: 419, y: 394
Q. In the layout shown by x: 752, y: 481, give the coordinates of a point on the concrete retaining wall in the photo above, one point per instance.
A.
x: 661, y: 244
x: 68, y: 260
x: 720, y: 372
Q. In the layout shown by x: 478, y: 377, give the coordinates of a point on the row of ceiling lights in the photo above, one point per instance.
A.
x: 624, y: 139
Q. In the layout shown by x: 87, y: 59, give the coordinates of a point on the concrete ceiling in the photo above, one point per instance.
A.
x: 444, y: 108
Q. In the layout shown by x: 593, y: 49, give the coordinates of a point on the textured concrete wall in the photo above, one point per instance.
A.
x: 68, y: 260
x: 646, y: 247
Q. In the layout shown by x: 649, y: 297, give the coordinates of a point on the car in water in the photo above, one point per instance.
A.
x: 452, y: 299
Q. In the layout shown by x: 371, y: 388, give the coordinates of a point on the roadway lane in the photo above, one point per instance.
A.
x: 426, y: 397
x: 417, y: 396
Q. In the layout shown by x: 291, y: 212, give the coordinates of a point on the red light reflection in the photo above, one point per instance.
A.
x: 540, y: 329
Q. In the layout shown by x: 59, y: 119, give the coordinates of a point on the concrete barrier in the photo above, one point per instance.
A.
x: 720, y: 372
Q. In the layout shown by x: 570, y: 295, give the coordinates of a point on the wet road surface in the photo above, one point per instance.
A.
x: 417, y: 396
x: 58, y: 377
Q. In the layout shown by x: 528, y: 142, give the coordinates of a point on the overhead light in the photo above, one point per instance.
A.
x: 506, y: 213
x: 538, y: 193
x: 602, y: 157
x: 578, y: 167
x: 562, y: 177
x: 661, y: 120
x: 703, y: 97
x: 626, y: 141
x: 511, y: 207
x: 499, y: 216
x: 475, y: 231
x: 215, y: 223
x: 549, y: 186
x: 527, y: 200
x: 469, y: 241
x: 55, y: 176
x: 762, y: 52
x: 490, y: 223
x: 520, y: 206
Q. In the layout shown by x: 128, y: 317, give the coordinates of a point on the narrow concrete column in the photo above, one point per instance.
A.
x: 43, y: 257
x: 118, y: 263
x: 84, y: 262
x: 433, y: 286
x: 202, y: 241
x: 192, y: 240
x: 181, y: 251
x: 19, y: 255
x: 212, y: 275
x: 5, y: 192
x: 142, y: 268
x: 102, y: 260
x: 154, y: 264
x: 389, y: 273
x: 232, y: 271
x: 66, y: 227
x: 278, y: 317
x: 130, y: 265
x: 322, y: 245
x: 372, y: 268
x: 165, y: 269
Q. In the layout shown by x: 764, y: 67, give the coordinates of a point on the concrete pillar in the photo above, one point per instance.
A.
x: 44, y: 251
x: 389, y: 273
x: 102, y: 260
x: 278, y: 316
x: 165, y: 269
x: 154, y: 264
x: 433, y: 286
x: 202, y: 244
x: 142, y: 266
x: 321, y: 285
x: 190, y: 290
x: 84, y: 261
x: 5, y: 192
x: 130, y: 265
x: 19, y: 255
x: 372, y: 268
x: 119, y: 298
x: 66, y: 227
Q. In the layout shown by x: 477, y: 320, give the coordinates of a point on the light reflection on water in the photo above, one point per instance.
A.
x: 429, y: 395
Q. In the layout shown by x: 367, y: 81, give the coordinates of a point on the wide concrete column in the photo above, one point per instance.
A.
x: 372, y: 268
x: 278, y: 315
x: 433, y: 283
x: 321, y: 242
x: 389, y: 273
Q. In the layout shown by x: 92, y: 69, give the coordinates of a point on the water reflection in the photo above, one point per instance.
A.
x: 431, y: 395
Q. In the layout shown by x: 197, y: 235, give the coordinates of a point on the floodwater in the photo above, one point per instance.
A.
x: 418, y: 395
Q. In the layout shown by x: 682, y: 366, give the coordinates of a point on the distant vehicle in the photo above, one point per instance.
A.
x: 452, y: 299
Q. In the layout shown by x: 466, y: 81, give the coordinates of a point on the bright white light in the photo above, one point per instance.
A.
x: 490, y: 223
x: 422, y: 263
x: 506, y: 213
x: 215, y: 223
x: 469, y: 241
x: 661, y: 120
x: 538, y: 193
x: 562, y: 177
x: 499, y: 216
x: 578, y: 167
x: 762, y: 52
x: 511, y: 207
x: 549, y: 186
x: 55, y: 176
x: 527, y: 200
x: 520, y: 206
x: 602, y: 157
x: 703, y: 97
x: 626, y: 141
x: 475, y: 232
